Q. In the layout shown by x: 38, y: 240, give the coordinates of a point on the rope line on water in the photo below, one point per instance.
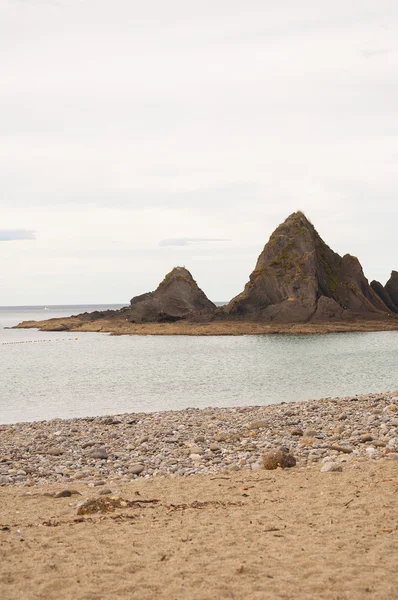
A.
x: 39, y: 341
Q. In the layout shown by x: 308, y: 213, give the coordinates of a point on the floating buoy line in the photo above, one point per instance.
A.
x: 39, y: 341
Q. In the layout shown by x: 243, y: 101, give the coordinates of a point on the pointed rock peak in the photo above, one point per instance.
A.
x: 297, y: 216
x: 295, y: 269
x: 297, y: 226
x: 177, y: 273
x: 296, y: 219
x: 176, y: 297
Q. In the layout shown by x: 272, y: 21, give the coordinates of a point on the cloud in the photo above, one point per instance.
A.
x: 378, y: 52
x: 216, y: 118
x: 185, y: 241
x: 8, y: 235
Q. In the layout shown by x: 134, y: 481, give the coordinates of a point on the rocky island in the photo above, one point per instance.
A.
x: 299, y: 285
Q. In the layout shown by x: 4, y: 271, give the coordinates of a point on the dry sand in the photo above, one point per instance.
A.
x: 287, y: 534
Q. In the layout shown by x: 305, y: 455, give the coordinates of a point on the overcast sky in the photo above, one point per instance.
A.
x: 137, y: 136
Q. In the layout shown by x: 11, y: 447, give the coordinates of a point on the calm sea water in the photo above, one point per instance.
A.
x: 60, y: 376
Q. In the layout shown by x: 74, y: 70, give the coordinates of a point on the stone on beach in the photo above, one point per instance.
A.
x: 331, y: 467
x: 136, y: 469
x: 278, y: 458
x: 55, y: 451
x: 99, y: 453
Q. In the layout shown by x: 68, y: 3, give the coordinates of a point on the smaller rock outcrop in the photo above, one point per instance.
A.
x: 384, y: 295
x: 391, y: 287
x: 176, y: 297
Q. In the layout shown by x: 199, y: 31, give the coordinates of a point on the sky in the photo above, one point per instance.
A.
x: 138, y: 136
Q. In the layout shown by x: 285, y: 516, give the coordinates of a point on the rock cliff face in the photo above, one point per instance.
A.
x: 384, y: 295
x: 176, y: 297
x: 298, y: 278
x: 391, y: 287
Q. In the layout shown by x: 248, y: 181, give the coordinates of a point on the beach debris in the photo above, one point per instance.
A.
x: 107, y: 505
x: 206, y: 504
x: 278, y: 458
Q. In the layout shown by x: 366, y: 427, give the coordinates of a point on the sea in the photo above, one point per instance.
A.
x: 47, y: 375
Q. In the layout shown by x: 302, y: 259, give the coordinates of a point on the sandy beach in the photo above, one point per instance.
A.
x: 270, y: 534
x: 179, y: 505
x: 197, y: 199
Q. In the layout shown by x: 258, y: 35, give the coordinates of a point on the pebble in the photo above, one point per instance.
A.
x: 195, y: 457
x: 55, y: 451
x: 310, y: 433
x: 88, y: 444
x: 258, y: 424
x: 99, y: 453
x: 136, y: 469
x: 64, y: 494
x: 193, y: 441
x: 196, y: 450
x: 214, y: 447
x: 331, y: 467
x: 344, y: 449
x: 370, y: 451
x: 298, y: 432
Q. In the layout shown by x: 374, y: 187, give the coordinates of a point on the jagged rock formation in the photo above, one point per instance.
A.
x: 391, y: 287
x: 384, y: 295
x: 176, y: 297
x: 298, y: 278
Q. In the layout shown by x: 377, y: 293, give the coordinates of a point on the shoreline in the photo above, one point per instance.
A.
x: 217, y: 328
x: 198, y: 441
